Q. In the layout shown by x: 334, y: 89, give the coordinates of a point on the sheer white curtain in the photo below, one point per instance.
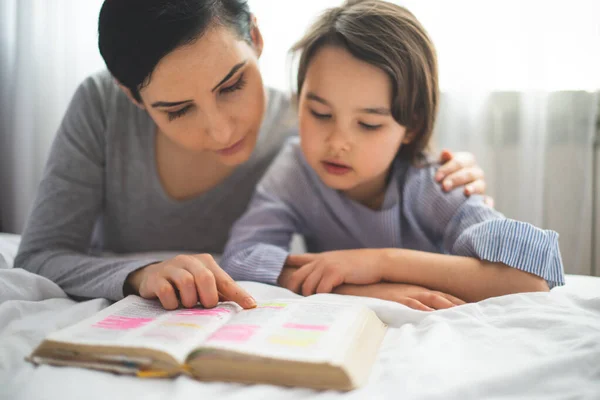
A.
x: 46, y: 49
x: 520, y: 83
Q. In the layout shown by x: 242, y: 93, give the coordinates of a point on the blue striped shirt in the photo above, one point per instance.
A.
x: 291, y: 199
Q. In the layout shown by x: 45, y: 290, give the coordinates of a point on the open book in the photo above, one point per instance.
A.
x: 287, y: 342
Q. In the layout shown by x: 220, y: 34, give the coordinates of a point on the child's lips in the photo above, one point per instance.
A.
x: 336, y: 168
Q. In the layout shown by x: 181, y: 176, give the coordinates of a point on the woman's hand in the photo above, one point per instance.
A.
x: 321, y: 273
x: 461, y: 169
x: 191, y: 278
x: 412, y: 296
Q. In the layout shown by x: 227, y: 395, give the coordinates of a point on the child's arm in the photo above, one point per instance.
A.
x: 259, y: 241
x: 413, y: 296
x: 467, y: 278
x: 486, y: 254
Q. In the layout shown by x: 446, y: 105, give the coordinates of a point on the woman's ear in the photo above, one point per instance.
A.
x: 257, y: 39
x: 126, y: 90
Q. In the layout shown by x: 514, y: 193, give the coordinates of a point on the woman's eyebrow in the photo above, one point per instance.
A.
x: 178, y: 103
x: 230, y: 74
x: 169, y: 103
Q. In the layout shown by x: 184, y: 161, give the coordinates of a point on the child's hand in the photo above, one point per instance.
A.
x: 321, y: 273
x: 412, y: 296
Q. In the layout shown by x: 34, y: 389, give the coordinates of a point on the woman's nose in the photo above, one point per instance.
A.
x: 219, y: 128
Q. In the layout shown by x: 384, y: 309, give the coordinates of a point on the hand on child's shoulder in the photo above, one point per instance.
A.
x: 460, y: 170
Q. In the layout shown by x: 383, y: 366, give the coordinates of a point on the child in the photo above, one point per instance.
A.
x: 357, y: 185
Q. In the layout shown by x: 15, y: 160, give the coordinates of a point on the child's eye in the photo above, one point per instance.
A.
x: 320, y: 116
x: 369, y: 127
x: 238, y: 85
x: 179, y: 113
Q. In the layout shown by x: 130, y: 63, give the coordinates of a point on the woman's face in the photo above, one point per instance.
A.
x: 208, y: 96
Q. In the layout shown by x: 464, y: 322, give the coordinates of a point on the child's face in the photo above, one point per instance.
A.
x: 348, y: 134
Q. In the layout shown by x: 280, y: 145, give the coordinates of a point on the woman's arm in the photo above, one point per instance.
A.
x: 56, y: 241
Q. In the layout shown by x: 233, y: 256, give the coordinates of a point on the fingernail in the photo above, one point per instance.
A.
x: 249, y: 302
x: 448, y: 184
x: 469, y: 189
x: 438, y: 176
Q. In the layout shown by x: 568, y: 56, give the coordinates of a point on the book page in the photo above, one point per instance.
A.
x: 141, y: 323
x: 289, y: 329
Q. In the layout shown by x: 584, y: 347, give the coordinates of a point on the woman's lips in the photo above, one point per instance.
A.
x: 336, y: 168
x: 233, y: 149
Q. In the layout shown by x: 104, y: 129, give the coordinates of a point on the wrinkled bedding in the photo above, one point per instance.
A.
x: 537, y: 345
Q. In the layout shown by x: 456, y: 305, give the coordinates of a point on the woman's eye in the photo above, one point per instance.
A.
x: 369, y: 127
x: 238, y: 85
x: 179, y: 113
x: 320, y: 116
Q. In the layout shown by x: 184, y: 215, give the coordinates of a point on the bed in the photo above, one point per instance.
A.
x: 525, y: 346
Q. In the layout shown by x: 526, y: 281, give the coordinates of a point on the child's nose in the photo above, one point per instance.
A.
x: 338, y: 140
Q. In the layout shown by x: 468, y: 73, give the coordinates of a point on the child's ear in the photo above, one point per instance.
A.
x: 126, y: 90
x: 257, y: 39
x: 409, y: 136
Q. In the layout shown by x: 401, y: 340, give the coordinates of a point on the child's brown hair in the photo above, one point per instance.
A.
x: 391, y: 38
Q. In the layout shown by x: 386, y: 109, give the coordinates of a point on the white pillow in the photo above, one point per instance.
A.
x: 9, y: 244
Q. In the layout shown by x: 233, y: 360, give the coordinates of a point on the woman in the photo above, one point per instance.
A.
x: 162, y: 154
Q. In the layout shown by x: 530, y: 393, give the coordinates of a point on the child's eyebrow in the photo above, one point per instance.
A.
x: 368, y: 110
x: 377, y: 110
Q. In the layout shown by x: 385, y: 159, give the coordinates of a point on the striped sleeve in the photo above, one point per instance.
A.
x: 259, y: 241
x: 468, y: 227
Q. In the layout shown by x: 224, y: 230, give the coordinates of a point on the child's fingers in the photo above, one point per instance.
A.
x: 451, y: 298
x: 312, y: 281
x: 329, y: 281
x: 415, y: 304
x: 436, y: 301
x: 298, y: 260
x: 297, y: 279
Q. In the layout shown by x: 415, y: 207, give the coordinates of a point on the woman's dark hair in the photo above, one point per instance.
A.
x: 134, y: 35
x: 391, y: 38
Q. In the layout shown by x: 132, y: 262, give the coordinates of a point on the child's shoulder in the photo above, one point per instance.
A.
x: 290, y: 158
x: 289, y: 172
x: 425, y: 196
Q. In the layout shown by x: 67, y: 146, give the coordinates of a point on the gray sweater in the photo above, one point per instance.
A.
x: 100, y: 193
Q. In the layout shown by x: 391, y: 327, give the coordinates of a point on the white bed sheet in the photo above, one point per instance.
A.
x: 526, y: 346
